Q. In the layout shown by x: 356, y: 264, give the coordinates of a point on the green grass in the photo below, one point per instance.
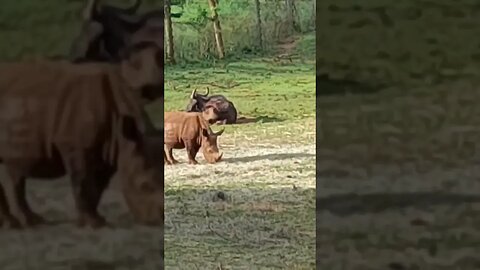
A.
x: 259, y: 87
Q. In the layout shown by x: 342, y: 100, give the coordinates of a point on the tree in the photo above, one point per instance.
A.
x: 290, y: 16
x: 314, y: 13
x: 169, y: 32
x: 259, y: 24
x: 217, y: 28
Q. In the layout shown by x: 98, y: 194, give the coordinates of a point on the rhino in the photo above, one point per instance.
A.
x: 83, y: 121
x: 227, y: 113
x: 191, y: 131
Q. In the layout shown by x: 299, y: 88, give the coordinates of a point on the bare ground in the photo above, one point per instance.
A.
x: 254, y: 210
x: 398, y: 180
x: 61, y: 245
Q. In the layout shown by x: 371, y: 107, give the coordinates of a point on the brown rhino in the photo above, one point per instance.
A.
x: 85, y: 121
x: 191, y: 131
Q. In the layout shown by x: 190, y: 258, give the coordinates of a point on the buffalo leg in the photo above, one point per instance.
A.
x: 6, y: 218
x: 192, y: 153
x: 222, y: 122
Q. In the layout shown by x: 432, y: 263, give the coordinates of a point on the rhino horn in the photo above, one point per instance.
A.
x: 219, y: 133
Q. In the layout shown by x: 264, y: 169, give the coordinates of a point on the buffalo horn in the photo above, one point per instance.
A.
x: 194, y: 92
x: 208, y: 92
x: 89, y: 8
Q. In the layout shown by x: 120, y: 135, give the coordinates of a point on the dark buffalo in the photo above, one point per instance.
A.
x: 190, y: 131
x: 107, y: 30
x: 227, y: 113
x: 85, y: 121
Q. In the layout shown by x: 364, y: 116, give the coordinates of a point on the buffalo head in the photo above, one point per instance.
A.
x: 107, y: 30
x: 197, y: 101
x: 211, y: 114
x: 209, y: 145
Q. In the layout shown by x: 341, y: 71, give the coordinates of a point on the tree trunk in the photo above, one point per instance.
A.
x: 259, y: 24
x: 169, y: 32
x: 289, y: 10
x: 217, y: 29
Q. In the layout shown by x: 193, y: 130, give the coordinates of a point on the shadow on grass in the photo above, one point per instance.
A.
x: 267, y: 157
x: 347, y: 204
x: 258, y: 119
x: 327, y: 86
x: 266, y: 222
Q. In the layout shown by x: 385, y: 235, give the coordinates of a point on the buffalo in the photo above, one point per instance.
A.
x: 190, y: 131
x: 83, y: 120
x: 227, y: 113
x: 107, y: 30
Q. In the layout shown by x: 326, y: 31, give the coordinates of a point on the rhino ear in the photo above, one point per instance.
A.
x: 205, y: 132
x: 130, y: 130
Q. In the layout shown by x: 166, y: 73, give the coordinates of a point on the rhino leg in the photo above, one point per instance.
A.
x: 89, y: 180
x: 170, y: 155
x: 17, y: 189
x: 7, y: 220
x: 192, y: 153
x: 165, y: 159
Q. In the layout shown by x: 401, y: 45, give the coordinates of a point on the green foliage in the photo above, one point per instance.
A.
x: 194, y: 37
x: 261, y: 88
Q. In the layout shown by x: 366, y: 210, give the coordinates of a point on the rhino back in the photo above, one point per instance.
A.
x: 182, y: 126
x: 44, y: 104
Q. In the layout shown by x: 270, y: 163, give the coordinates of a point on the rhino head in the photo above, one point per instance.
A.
x: 210, y: 146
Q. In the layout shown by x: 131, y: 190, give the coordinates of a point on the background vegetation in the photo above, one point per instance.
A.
x: 193, y: 30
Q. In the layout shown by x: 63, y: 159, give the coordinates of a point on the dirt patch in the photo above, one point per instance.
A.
x: 64, y: 246
x: 266, y: 206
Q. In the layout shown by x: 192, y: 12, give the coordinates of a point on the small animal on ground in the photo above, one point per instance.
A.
x: 84, y: 121
x: 227, y: 113
x: 191, y: 131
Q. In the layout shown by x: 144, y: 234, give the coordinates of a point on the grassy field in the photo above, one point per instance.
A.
x: 267, y: 175
x: 398, y: 167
